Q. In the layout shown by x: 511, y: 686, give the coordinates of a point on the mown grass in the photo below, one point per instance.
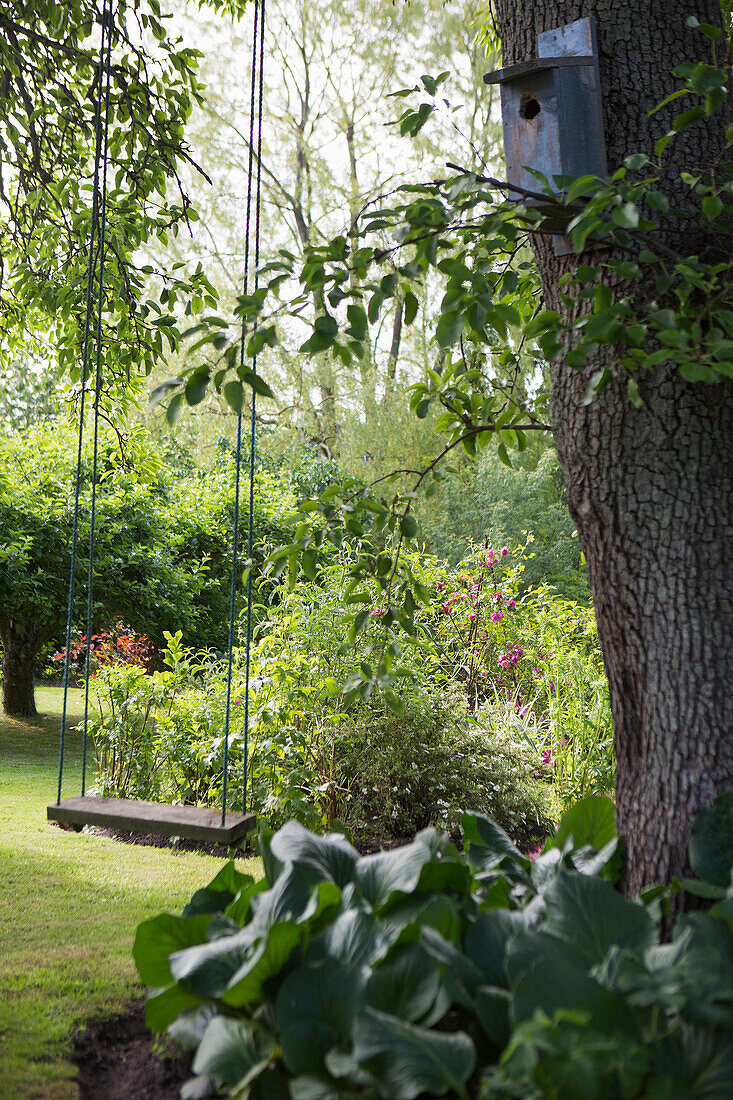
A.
x: 69, y: 905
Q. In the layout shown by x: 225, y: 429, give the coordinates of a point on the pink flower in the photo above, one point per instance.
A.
x: 504, y: 551
x: 511, y: 603
x: 440, y: 585
x: 472, y: 616
x: 498, y: 596
x: 377, y: 612
x: 497, y: 616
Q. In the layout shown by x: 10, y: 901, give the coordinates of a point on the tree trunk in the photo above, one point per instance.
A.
x: 22, y: 642
x: 650, y: 489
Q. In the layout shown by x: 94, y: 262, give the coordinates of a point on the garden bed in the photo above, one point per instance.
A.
x: 117, y: 1059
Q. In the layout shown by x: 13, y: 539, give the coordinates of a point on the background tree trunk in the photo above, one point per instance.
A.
x: 22, y: 642
x: 651, y: 489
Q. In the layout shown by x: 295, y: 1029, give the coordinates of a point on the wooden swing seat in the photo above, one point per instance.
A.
x: 130, y: 816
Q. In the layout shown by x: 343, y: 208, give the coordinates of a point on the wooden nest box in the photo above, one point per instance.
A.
x: 552, y: 113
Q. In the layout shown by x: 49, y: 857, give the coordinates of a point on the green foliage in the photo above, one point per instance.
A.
x: 493, y: 335
x: 427, y: 971
x: 156, y: 735
x: 503, y: 707
x: 49, y: 53
x: 488, y: 500
x: 405, y: 773
x: 162, y: 545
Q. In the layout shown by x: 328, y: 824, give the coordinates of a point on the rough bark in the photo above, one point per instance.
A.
x: 22, y: 642
x: 651, y: 489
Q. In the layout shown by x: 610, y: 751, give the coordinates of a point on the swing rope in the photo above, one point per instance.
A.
x: 101, y: 145
x: 97, y: 395
x: 256, y: 97
x: 96, y: 254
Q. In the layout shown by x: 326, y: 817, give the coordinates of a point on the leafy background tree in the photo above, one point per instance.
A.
x: 162, y: 555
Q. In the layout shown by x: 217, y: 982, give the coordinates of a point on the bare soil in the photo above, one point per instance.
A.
x: 118, y: 1058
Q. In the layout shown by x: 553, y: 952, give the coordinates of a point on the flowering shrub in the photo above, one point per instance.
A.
x: 118, y: 645
x: 503, y: 703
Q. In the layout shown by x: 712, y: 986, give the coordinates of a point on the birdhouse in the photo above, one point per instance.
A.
x: 551, y: 111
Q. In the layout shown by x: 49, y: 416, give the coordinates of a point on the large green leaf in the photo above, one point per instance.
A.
x: 487, y: 843
x: 267, y: 960
x: 459, y: 975
x: 693, y: 1064
x: 315, y: 1010
x: 486, y: 941
x: 222, y: 890
x: 407, y: 1060
x: 353, y: 937
x: 157, y: 939
x: 208, y: 967
x: 405, y: 984
x: 591, y: 917
x: 590, y: 821
x: 331, y: 855
x: 313, y: 1088
x: 711, y: 841
x: 233, y: 1051
x: 437, y: 911
x: 292, y: 897
x: 493, y: 1007
x: 545, y: 974
x: 164, y: 1005
x: 387, y: 875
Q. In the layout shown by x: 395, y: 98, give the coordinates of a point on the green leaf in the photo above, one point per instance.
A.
x: 315, y: 1010
x: 712, y: 207
x: 545, y: 974
x: 266, y: 961
x: 408, y: 526
x: 711, y: 841
x: 331, y: 855
x: 625, y: 216
x: 354, y: 938
x: 411, y: 304
x: 233, y: 1051
x: 580, y: 187
x: 450, y: 327
x: 590, y: 821
x: 406, y: 984
x: 385, y: 875
x: 634, y: 396
x: 257, y: 383
x: 407, y: 1060
x: 636, y: 161
x: 357, y: 318
x: 481, y: 833
x: 487, y: 939
x: 590, y: 917
x: 196, y: 388
x: 163, y: 1006
x: 174, y: 409
x: 688, y: 118
x: 158, y: 938
x: 234, y: 395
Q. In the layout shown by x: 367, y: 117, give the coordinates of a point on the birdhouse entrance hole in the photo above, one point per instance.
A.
x: 530, y: 107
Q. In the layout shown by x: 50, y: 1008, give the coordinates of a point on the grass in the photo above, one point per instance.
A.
x: 69, y: 907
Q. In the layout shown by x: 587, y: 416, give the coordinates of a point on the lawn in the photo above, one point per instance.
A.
x: 69, y: 906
